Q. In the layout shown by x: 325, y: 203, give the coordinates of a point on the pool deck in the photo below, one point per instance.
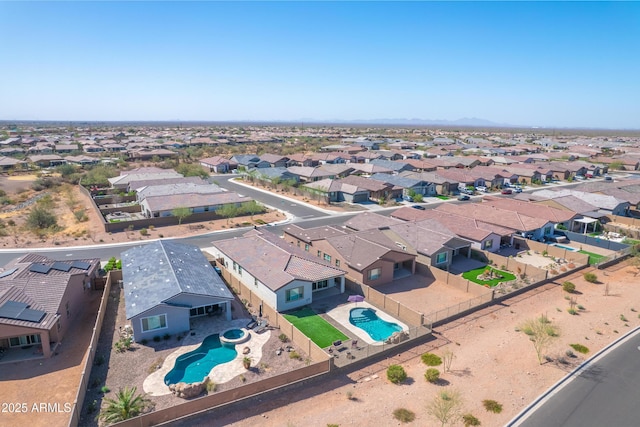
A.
x: 341, y: 315
x: 154, y: 384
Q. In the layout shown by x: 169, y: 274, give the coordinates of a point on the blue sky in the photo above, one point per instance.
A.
x: 540, y: 64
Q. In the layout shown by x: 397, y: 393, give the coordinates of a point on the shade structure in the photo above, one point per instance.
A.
x: 355, y: 298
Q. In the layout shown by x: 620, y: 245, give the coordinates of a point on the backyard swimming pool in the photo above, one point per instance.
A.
x: 568, y: 248
x: 194, y: 366
x: 367, y: 320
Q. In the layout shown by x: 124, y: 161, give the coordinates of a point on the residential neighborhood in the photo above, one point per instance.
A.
x: 243, y: 262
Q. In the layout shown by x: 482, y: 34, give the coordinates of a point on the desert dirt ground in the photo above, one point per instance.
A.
x: 49, y: 381
x: 493, y: 360
x: 68, y: 200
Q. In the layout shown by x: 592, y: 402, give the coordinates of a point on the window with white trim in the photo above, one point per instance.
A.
x: 294, y: 294
x: 441, y: 258
x: 488, y: 244
x: 375, y: 273
x: 152, y: 323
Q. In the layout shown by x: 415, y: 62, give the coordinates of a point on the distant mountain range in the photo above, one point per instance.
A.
x: 466, y: 121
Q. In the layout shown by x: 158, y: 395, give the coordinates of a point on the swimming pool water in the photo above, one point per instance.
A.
x: 568, y: 248
x: 233, y: 334
x: 194, y: 366
x: 367, y: 320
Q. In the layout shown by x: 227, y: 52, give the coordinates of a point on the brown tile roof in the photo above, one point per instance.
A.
x: 165, y: 203
x: 491, y: 215
x: 530, y: 209
x: 363, y: 248
x: 370, y: 220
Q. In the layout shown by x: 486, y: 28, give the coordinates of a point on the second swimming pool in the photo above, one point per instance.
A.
x: 367, y: 320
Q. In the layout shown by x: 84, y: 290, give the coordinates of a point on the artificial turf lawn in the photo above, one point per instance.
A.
x: 593, y: 258
x: 315, y: 327
x: 473, y: 276
x: 442, y: 197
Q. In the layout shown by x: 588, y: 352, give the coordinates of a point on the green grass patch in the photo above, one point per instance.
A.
x: 593, y: 258
x: 315, y: 327
x: 442, y: 197
x: 628, y: 241
x: 473, y: 276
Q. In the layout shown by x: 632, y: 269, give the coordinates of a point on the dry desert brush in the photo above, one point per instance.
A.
x: 541, y: 332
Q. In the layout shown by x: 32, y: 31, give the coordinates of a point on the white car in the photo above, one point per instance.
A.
x: 483, y: 189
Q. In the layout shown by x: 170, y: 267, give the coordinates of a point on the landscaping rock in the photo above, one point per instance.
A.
x: 189, y: 391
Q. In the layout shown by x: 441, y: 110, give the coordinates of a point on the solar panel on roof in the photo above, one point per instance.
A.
x: 31, y: 315
x: 81, y: 265
x: 40, y: 268
x: 61, y: 266
x: 8, y: 272
x: 10, y: 309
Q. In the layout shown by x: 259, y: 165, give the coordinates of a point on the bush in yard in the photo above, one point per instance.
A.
x: 431, y: 359
x: 568, y: 287
x: 432, y: 375
x: 283, y: 338
x: 591, y: 277
x: 492, y: 406
x: 396, y: 374
x: 404, y: 415
x: 470, y: 421
x: 579, y: 348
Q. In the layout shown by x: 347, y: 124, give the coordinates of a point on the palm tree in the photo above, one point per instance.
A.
x: 126, y: 405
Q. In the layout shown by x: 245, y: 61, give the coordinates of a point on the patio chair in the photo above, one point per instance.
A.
x: 354, y: 344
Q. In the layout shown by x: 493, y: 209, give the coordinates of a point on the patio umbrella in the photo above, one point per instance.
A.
x: 355, y: 298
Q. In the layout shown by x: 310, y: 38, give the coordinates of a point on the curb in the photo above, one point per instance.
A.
x: 526, y: 412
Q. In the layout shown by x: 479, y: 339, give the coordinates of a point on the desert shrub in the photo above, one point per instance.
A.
x: 470, y: 421
x: 572, y: 311
x: 81, y: 216
x: 41, y: 217
x: 156, y: 338
x: 431, y: 359
x: 157, y: 364
x: 570, y: 354
x: 143, y: 232
x: 590, y: 277
x: 211, y: 386
x: 492, y: 406
x: 623, y: 318
x: 432, y: 375
x: 396, y: 374
x: 295, y: 355
x: 144, y: 341
x: 99, y: 360
x: 568, y: 287
x: 105, y: 389
x: 404, y: 415
x: 579, y: 348
x: 283, y: 338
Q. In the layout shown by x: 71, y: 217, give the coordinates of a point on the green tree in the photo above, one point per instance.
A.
x: 418, y: 198
x: 396, y: 374
x: 616, y: 165
x: 181, y: 213
x: 252, y: 208
x: 41, y: 218
x: 191, y: 169
x: 541, y: 332
x: 228, y: 211
x: 446, y: 407
x: 126, y: 405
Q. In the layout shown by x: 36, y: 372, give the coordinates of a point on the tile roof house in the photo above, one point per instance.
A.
x: 218, y: 164
x: 281, y: 274
x: 408, y: 185
x: 166, y: 284
x: 335, y: 191
x: 163, y: 205
x: 40, y: 298
x: 603, y: 202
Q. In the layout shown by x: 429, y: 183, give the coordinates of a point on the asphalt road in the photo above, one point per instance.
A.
x: 604, y: 394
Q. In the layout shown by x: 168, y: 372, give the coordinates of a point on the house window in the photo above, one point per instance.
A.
x: 152, y: 323
x: 327, y: 257
x: 337, y: 263
x: 375, y: 273
x: 239, y: 270
x: 306, y: 247
x: 294, y: 294
x: 235, y: 266
x: 298, y: 243
x: 255, y: 282
x: 205, y: 309
x: 488, y: 244
x: 24, y: 340
x: 319, y: 254
x: 441, y: 258
x: 547, y: 230
x: 316, y: 286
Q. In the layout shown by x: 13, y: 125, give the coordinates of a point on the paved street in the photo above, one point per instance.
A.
x: 604, y: 394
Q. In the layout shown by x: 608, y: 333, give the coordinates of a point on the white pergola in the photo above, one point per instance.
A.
x: 586, y: 222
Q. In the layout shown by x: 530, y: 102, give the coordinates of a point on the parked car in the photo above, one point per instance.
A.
x: 608, y: 178
x: 463, y: 197
x: 481, y: 188
x: 507, y: 191
x: 518, y: 190
x: 418, y: 207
